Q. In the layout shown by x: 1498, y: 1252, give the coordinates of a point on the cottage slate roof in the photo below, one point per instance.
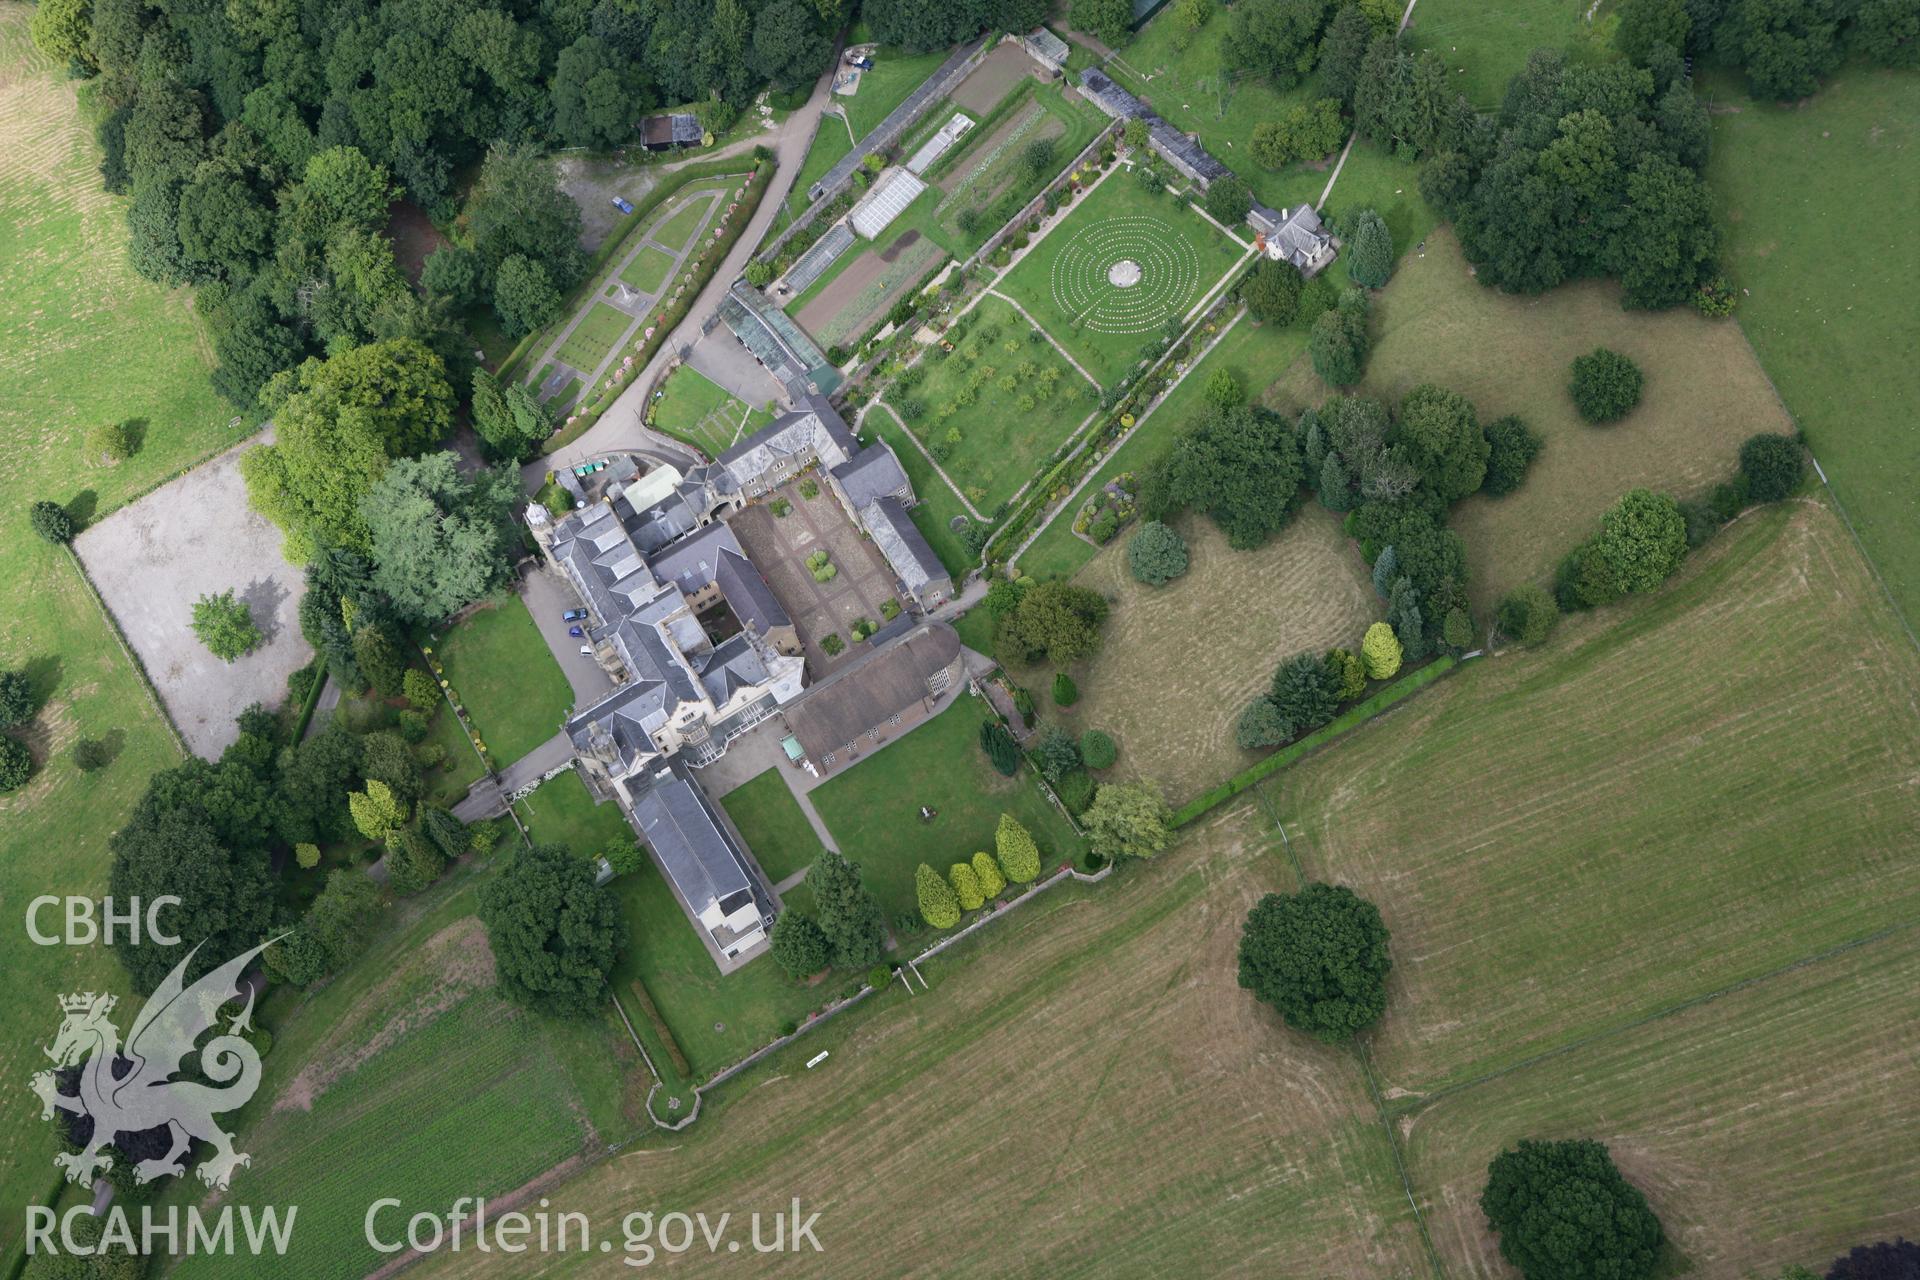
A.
x: 871, y: 690
x: 905, y: 549
x: 871, y: 474
x: 1301, y: 236
x: 677, y: 822
x: 814, y: 429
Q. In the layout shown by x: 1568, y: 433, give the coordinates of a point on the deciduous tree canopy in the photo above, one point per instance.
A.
x: 555, y: 934
x: 1563, y: 1212
x: 1318, y: 956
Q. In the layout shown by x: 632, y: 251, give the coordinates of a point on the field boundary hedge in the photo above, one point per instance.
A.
x: 1352, y: 718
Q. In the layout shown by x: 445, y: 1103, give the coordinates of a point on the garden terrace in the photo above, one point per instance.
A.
x: 499, y: 666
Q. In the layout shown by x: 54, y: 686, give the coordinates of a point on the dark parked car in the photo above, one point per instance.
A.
x: 575, y: 632
x: 573, y: 615
x: 622, y: 205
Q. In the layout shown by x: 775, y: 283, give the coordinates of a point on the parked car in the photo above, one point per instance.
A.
x: 622, y: 205
x: 573, y: 615
x: 575, y: 632
x: 586, y: 651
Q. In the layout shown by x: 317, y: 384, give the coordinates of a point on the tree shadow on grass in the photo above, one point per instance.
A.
x: 81, y: 508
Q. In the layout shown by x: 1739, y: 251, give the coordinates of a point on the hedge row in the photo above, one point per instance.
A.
x: 1353, y: 716
x: 644, y: 999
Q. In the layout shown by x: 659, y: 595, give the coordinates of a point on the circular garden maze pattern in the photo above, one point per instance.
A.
x: 1169, y: 270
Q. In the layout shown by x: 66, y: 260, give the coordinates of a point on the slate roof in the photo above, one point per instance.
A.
x: 1300, y: 236
x: 871, y: 474
x: 813, y: 429
x: 1185, y: 153
x: 870, y: 691
x: 905, y: 549
x: 680, y: 129
x: 730, y: 667
x: 1110, y: 97
x: 677, y: 822
x: 1048, y: 45
x: 748, y: 594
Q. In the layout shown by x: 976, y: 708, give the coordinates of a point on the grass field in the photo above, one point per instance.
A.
x: 895, y: 74
x: 830, y: 145
x: 1757, y: 1124
x: 1567, y: 841
x: 410, y: 1076
x: 1063, y: 283
x: 1839, y: 344
x: 998, y: 404
x: 693, y: 408
x: 598, y: 332
x: 83, y: 340
x: 561, y: 812
x: 648, y: 270
x: 1245, y: 1151
x: 770, y: 821
x: 1256, y: 354
x: 1174, y: 674
x: 1485, y: 43
x: 1704, y: 394
x: 1196, y: 93
x: 506, y: 678
x: 873, y: 809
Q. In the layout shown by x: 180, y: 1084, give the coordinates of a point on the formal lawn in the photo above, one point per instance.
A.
x: 996, y: 406
x: 514, y: 692
x: 1838, y: 344
x: 873, y: 809
x: 563, y: 812
x: 716, y: 1019
x: 1256, y: 354
x: 939, y: 507
x: 595, y: 337
x: 409, y: 1075
x: 769, y: 820
x: 648, y: 270
x: 1067, y: 282
x: 693, y: 408
x: 690, y: 210
x: 1565, y: 840
x: 83, y: 341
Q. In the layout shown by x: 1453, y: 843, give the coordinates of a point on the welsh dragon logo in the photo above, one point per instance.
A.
x: 141, y: 1094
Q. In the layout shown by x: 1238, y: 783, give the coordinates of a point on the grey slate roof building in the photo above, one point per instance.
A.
x: 1185, y: 154
x: 678, y: 129
x: 712, y: 875
x: 873, y: 487
x: 1296, y: 236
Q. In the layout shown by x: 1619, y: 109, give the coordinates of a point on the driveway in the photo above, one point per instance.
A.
x: 547, y: 597
x: 720, y: 358
x: 622, y: 424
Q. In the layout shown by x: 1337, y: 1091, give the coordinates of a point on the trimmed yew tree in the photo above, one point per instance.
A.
x: 798, y: 945
x: 1563, y: 1212
x: 1019, y: 855
x: 1318, y: 956
x: 966, y: 886
x: 939, y: 906
x: 987, y: 872
x: 1380, y: 651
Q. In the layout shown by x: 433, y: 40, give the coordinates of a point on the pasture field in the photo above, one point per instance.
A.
x: 1174, y: 673
x: 1704, y: 394
x: 997, y: 405
x: 1196, y: 91
x: 1039, y: 1094
x: 410, y: 1076
x: 1257, y: 354
x: 598, y: 332
x: 693, y: 408
x: 514, y: 692
x: 1072, y: 284
x: 1485, y: 43
x: 938, y: 506
x: 1838, y: 344
x: 873, y: 809
x: 769, y: 820
x: 1564, y: 841
x: 83, y: 341
x: 1756, y: 1124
